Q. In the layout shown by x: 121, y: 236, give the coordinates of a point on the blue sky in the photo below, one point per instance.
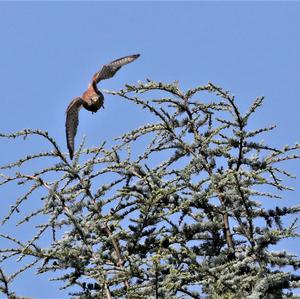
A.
x: 49, y: 51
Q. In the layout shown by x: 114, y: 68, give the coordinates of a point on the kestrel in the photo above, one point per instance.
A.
x: 92, y: 99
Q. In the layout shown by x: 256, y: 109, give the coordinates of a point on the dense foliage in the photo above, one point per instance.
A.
x: 172, y: 209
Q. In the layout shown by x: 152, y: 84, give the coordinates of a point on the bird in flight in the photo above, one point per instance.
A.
x: 92, y: 99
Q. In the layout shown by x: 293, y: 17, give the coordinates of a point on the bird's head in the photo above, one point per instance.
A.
x: 96, y: 101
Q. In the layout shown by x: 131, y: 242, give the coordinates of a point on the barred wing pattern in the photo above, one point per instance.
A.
x: 109, y: 70
x: 72, y: 122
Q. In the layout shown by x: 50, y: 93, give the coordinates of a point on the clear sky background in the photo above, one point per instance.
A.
x: 49, y: 51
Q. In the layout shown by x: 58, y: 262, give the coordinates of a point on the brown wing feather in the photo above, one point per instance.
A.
x: 109, y: 70
x: 72, y: 123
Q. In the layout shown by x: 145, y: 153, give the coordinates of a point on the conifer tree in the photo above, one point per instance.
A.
x: 172, y: 209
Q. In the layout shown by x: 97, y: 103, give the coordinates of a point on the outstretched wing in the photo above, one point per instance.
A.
x: 109, y: 70
x: 72, y: 122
